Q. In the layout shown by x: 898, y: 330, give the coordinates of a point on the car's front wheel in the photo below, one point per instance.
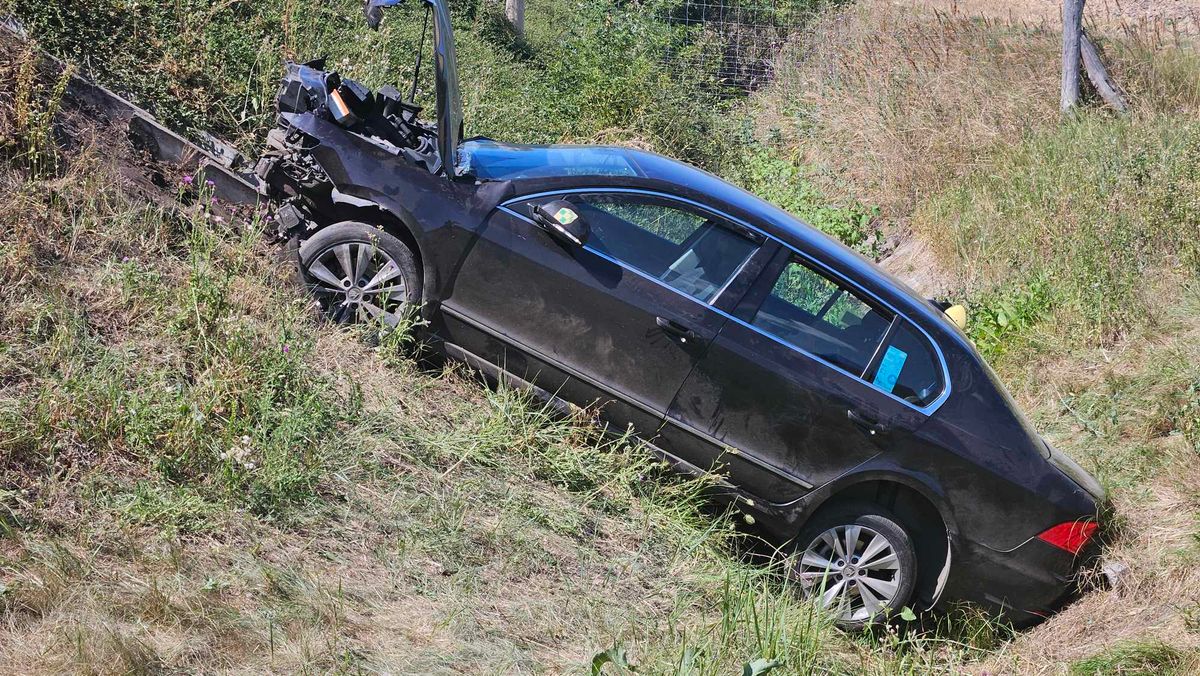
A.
x: 858, y: 562
x: 359, y: 273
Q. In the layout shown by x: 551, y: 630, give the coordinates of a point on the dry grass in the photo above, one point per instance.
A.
x: 897, y: 103
x: 1163, y: 15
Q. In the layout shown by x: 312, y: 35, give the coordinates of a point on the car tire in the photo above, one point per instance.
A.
x: 358, y: 273
x: 874, y: 582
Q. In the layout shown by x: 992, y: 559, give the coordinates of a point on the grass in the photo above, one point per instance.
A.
x: 1137, y: 658
x: 584, y: 72
x: 1078, y: 215
x: 199, y: 475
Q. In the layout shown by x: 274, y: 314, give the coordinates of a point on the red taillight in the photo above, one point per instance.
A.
x: 1070, y: 536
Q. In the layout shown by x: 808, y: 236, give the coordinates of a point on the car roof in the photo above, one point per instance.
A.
x: 542, y: 168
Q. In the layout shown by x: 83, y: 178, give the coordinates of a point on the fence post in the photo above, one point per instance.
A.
x: 514, y: 11
x: 1072, y: 18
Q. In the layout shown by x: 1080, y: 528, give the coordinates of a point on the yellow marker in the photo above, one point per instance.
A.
x: 958, y: 315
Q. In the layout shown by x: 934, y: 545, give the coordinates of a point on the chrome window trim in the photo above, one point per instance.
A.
x: 928, y: 410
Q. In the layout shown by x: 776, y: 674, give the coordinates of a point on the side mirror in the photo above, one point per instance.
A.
x: 373, y: 14
x: 373, y: 11
x: 562, y: 221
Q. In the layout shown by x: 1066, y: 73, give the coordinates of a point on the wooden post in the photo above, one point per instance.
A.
x: 1072, y: 16
x: 514, y: 11
x: 1098, y: 74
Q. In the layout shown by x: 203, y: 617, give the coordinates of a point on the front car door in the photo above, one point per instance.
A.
x: 618, y: 322
x: 809, y: 378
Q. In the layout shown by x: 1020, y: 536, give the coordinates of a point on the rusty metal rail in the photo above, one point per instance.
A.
x: 212, y: 159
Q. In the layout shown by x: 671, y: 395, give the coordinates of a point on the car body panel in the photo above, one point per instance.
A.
x: 756, y: 405
x: 582, y: 326
x: 574, y: 306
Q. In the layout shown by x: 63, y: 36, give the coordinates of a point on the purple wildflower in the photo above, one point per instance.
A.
x: 186, y: 180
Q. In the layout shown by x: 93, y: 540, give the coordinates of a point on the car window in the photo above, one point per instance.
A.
x: 908, y: 367
x: 689, y: 250
x: 813, y: 312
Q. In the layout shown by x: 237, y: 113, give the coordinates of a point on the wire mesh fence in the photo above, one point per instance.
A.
x: 736, y: 41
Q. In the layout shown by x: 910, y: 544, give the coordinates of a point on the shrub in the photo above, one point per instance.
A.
x: 1090, y: 208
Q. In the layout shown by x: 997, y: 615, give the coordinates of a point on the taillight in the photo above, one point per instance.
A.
x: 1071, y: 536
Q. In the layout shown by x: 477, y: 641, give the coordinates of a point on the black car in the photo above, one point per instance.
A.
x: 850, y: 417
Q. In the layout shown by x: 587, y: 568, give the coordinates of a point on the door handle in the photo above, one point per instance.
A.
x: 674, y: 328
x: 871, y: 426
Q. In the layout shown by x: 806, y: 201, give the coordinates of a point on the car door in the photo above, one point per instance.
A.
x: 810, y: 377
x: 618, y: 322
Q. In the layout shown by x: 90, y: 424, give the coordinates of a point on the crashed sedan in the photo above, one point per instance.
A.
x: 849, y: 417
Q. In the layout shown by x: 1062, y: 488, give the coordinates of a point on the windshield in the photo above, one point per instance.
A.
x: 488, y: 160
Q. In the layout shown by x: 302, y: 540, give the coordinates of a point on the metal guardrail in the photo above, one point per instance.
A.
x: 212, y: 159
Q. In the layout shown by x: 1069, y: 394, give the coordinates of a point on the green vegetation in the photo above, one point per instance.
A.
x: 785, y: 182
x: 585, y: 72
x: 1079, y: 214
x: 1137, y: 658
x: 200, y: 475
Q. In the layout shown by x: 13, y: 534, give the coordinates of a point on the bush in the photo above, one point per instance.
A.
x: 1090, y: 208
x: 788, y: 184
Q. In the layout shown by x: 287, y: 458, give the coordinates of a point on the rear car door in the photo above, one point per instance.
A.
x: 810, y: 377
x: 618, y: 322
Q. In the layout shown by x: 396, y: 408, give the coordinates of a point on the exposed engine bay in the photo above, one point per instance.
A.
x: 290, y: 173
x: 334, y: 132
x: 382, y: 117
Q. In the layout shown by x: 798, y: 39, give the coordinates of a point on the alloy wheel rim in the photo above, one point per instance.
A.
x: 357, y: 282
x: 852, y: 570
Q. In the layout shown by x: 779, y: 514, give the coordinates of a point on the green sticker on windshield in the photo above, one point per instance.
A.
x: 889, y: 369
x: 565, y: 216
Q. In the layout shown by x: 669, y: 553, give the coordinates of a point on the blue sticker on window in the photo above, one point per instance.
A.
x: 889, y: 369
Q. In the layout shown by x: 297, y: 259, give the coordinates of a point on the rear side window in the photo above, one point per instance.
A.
x: 689, y: 250
x: 908, y: 367
x: 823, y: 317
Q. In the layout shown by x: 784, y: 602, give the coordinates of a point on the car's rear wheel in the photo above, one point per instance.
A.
x: 360, y: 274
x: 858, y: 562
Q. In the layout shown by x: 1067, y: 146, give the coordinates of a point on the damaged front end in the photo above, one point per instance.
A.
x: 314, y: 103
